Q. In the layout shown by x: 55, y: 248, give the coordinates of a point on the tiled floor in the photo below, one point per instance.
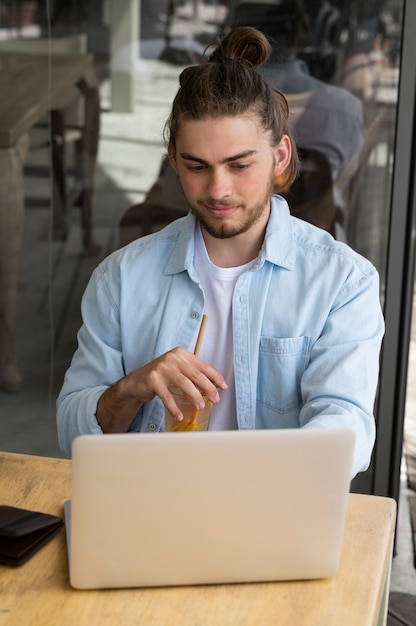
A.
x: 54, y: 275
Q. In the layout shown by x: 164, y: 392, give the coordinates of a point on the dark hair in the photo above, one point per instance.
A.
x: 227, y: 84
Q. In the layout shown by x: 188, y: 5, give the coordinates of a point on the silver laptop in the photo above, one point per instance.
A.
x: 202, y: 508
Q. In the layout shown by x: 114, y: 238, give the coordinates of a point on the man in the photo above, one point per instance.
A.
x: 294, y: 321
x: 325, y: 118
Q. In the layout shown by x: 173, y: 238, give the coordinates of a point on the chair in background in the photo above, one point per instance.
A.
x: 65, y: 124
x: 351, y: 178
x: 164, y: 203
x: 311, y: 197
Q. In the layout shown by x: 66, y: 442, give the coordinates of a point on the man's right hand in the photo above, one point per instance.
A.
x: 119, y: 404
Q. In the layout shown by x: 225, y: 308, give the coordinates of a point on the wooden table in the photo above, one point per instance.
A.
x: 39, y: 592
x: 31, y: 86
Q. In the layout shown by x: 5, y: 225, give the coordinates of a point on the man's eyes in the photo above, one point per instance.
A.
x: 196, y: 168
x: 241, y: 166
x: 232, y: 166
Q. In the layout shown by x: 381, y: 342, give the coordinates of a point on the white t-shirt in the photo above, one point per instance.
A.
x: 217, y: 346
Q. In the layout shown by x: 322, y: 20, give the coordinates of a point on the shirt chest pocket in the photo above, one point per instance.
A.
x: 282, y: 362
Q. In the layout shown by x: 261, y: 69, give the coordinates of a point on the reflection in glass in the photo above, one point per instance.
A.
x: 339, y: 65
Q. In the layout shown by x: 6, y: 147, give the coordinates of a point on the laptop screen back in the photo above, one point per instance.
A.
x: 214, y: 507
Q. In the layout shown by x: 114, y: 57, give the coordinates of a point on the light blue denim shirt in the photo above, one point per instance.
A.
x: 307, y: 330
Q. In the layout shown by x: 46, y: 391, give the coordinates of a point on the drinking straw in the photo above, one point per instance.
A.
x: 200, y: 334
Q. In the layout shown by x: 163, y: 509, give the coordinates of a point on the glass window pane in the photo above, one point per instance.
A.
x: 337, y: 63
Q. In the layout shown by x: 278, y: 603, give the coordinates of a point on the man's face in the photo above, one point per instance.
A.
x: 228, y: 168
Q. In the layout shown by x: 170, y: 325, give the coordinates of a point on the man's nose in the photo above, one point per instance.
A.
x: 219, y: 184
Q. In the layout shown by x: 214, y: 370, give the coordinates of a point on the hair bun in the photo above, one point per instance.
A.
x: 245, y: 45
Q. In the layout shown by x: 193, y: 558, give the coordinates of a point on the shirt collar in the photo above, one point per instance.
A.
x: 182, y: 255
x: 278, y: 247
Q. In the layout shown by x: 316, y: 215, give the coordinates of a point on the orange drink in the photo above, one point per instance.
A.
x: 193, y: 419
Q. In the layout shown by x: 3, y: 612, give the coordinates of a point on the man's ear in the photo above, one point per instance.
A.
x: 283, y: 154
x: 172, y: 157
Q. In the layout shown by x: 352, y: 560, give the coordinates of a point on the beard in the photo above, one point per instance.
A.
x: 220, y: 229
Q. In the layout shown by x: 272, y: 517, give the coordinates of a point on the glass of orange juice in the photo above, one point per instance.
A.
x: 193, y: 419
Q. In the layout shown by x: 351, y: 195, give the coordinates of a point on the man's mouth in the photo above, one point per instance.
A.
x: 221, y: 211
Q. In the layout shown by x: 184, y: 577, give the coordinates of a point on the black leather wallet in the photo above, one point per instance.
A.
x: 23, y: 533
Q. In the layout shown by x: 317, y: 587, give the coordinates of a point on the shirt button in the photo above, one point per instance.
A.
x: 195, y: 315
x: 152, y: 426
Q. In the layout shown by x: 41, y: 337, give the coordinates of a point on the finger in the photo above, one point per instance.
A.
x: 171, y: 406
x: 196, y: 392
x: 215, y: 377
